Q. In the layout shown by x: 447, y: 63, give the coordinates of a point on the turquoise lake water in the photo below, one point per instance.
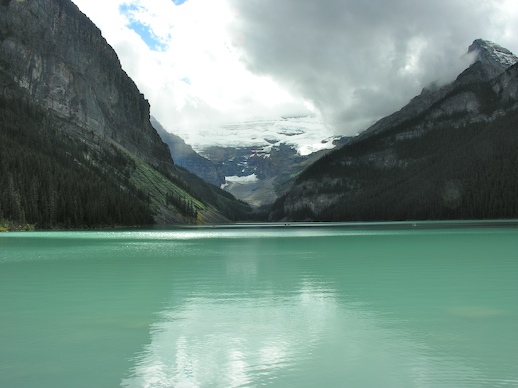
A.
x: 386, y: 305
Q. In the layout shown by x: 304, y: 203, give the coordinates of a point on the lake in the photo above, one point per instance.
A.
x: 340, y: 305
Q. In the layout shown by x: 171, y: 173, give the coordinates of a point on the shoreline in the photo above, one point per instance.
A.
x: 8, y: 226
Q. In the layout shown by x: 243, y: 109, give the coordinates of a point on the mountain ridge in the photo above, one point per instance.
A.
x: 485, y: 66
x: 398, y: 168
x: 185, y: 156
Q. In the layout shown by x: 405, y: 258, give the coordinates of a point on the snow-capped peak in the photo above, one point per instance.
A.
x: 489, y: 52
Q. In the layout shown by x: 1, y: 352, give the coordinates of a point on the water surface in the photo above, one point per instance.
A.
x: 389, y: 305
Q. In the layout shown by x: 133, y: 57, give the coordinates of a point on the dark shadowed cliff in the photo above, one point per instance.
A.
x: 449, y: 154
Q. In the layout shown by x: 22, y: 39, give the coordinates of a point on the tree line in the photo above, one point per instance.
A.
x: 46, y: 178
x: 466, y: 172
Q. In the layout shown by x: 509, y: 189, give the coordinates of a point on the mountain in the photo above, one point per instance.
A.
x: 203, y: 177
x: 78, y: 148
x: 489, y: 59
x: 492, y: 56
x: 256, y: 160
x: 449, y: 154
x: 185, y: 156
x: 258, y: 175
x: 59, y: 57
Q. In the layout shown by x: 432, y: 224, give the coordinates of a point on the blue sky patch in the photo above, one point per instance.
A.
x: 179, y: 2
x: 147, y: 36
x: 186, y: 80
x: 126, y: 9
x: 144, y: 31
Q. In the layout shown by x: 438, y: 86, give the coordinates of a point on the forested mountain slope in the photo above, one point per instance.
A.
x: 451, y: 153
x: 78, y: 148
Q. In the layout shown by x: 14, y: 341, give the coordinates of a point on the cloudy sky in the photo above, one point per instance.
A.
x: 349, y: 62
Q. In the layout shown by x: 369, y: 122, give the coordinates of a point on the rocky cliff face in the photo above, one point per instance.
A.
x: 59, y: 57
x: 506, y: 85
x: 447, y: 154
x: 493, y: 55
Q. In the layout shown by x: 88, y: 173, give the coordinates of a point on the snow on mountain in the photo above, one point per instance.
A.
x: 487, y: 51
x: 306, y: 133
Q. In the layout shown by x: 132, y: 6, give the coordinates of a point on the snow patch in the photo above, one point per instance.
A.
x: 240, y: 179
x: 496, y: 52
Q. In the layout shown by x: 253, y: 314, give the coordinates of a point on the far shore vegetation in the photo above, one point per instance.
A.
x: 9, y: 226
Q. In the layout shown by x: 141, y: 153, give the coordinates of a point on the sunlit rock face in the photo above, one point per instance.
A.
x: 55, y: 53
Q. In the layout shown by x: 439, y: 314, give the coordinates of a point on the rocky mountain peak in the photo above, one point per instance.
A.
x: 493, y: 54
x: 490, y: 61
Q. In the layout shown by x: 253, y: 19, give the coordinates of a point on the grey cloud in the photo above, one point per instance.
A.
x: 359, y: 60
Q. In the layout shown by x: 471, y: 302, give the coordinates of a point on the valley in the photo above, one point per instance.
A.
x: 448, y: 154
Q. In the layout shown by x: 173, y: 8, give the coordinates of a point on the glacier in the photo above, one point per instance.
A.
x: 307, y: 134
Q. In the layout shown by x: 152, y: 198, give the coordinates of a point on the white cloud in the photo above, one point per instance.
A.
x: 358, y: 61
x: 352, y: 61
x: 196, y: 75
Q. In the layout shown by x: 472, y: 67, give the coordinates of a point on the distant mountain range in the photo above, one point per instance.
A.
x: 449, y: 154
x: 256, y: 161
x: 77, y: 146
